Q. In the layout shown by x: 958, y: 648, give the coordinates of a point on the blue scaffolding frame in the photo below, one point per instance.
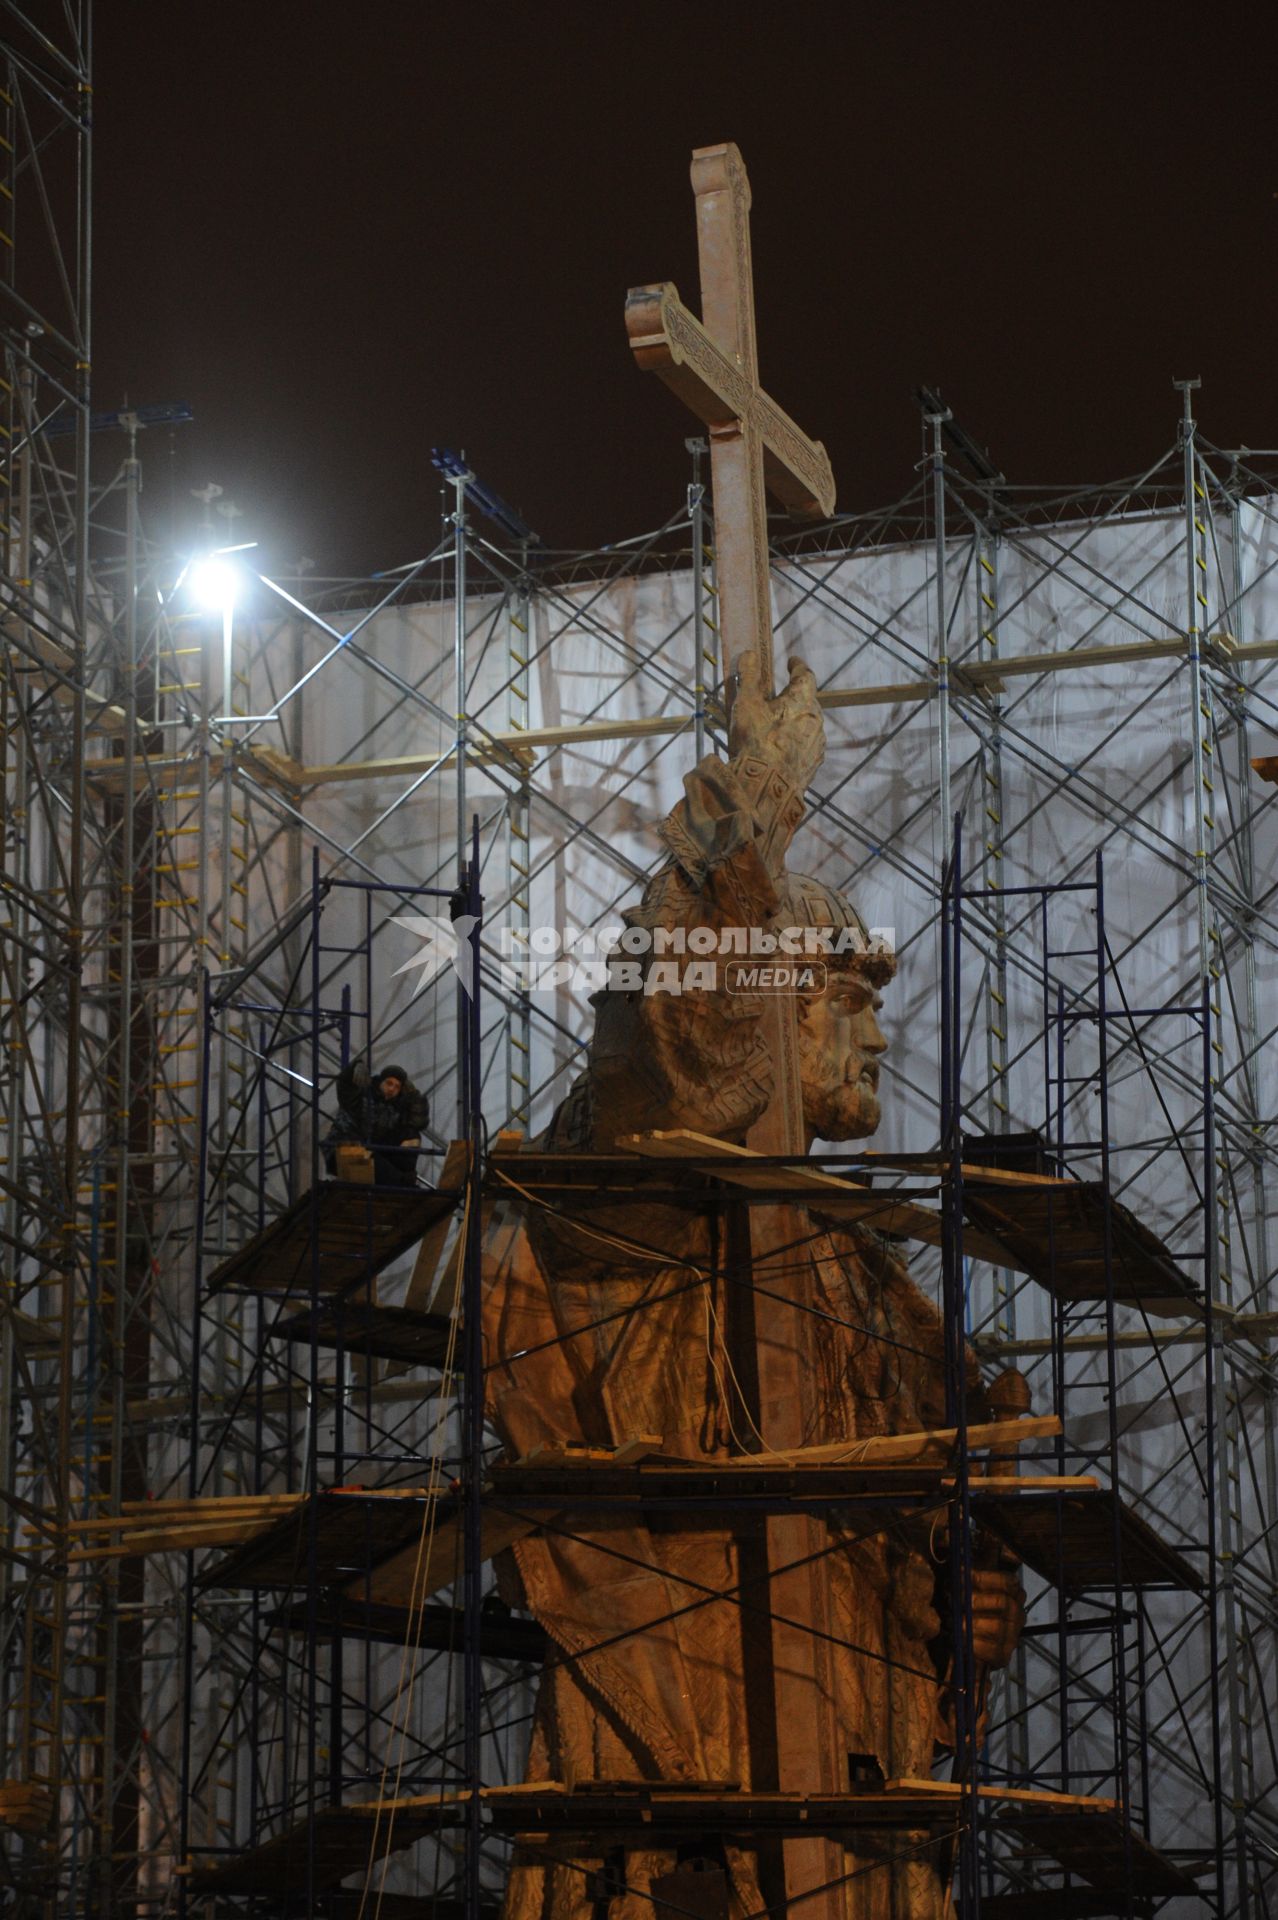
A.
x: 1100, y: 1008
x: 288, y: 1132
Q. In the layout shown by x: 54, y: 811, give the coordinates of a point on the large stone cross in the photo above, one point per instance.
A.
x: 712, y: 364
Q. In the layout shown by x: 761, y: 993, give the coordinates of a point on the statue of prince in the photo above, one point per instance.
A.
x: 603, y: 1331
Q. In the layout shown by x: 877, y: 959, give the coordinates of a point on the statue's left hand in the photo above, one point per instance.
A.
x: 787, y: 728
x: 998, y: 1615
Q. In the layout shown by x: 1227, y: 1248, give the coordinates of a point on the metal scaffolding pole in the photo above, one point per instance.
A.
x: 1209, y: 775
x: 936, y: 422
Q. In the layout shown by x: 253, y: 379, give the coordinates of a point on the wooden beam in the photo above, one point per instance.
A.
x: 26, y: 1805
x: 522, y: 745
x: 971, y: 1171
x: 291, y: 776
x: 1018, y: 1483
x: 412, y: 1576
x: 176, y: 769
x: 931, y: 1444
x: 720, y: 1806
x: 100, y: 714
x: 501, y: 750
x: 1230, y: 1328
x: 274, y: 1400
x: 1121, y: 653
x: 1021, y: 1796
x: 846, y: 1199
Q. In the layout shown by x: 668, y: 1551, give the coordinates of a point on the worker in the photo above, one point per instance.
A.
x: 379, y: 1123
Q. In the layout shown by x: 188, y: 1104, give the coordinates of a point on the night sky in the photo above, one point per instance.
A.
x: 343, y: 234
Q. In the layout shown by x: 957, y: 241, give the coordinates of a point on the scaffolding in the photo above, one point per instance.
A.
x: 65, y: 1018
x: 214, y: 832
x: 318, y: 1720
x: 194, y: 768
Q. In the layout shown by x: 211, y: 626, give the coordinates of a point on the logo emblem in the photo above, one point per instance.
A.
x: 444, y: 943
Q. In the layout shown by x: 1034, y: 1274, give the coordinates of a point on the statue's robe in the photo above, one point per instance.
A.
x: 592, y: 1340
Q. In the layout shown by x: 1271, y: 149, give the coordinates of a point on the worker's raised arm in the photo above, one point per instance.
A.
x: 351, y: 1086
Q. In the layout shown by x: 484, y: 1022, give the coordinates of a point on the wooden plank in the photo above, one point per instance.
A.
x: 354, y: 1531
x: 522, y: 745
x: 233, y: 1525
x: 894, y: 693
x: 682, y: 1143
x: 451, y: 1179
x: 358, y: 1231
x: 929, y: 1444
x: 991, y: 1348
x: 556, y: 1454
x: 405, y: 1580
x: 447, y: 1293
x: 165, y: 1511
x: 605, y: 1807
x: 292, y: 777
x: 340, y: 1841
x: 408, y: 1338
x: 499, y: 749
x: 503, y: 1635
x: 526, y: 742
x: 1069, y: 1829
x: 972, y: 1172
x: 371, y: 1545
x: 874, y: 1494
x: 209, y: 1502
x: 25, y: 1805
x: 168, y: 1527
x: 935, y: 1445
x: 1120, y: 653
x: 825, y: 1192
x: 1059, y: 1238
x: 1097, y: 1850
x: 1019, y: 1483
x: 954, y: 1790
x: 1060, y: 1903
x: 225, y: 1533
x: 1085, y: 1835
x: 62, y: 677
x: 1069, y: 1540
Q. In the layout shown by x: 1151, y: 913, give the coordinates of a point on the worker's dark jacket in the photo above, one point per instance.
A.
x: 364, y: 1117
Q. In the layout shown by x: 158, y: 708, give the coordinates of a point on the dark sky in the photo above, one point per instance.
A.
x: 345, y: 233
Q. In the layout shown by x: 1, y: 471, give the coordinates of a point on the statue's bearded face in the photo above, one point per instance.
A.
x: 840, y: 1044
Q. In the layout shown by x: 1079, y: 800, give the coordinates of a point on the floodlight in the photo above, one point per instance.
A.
x: 213, y: 583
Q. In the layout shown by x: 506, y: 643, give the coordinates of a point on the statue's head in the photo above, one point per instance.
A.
x: 840, y: 1040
